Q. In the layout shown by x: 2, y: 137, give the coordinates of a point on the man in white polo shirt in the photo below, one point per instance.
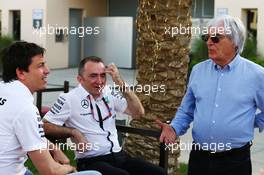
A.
x: 21, y: 129
x: 89, y: 113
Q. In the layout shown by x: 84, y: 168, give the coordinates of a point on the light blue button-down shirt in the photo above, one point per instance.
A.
x: 222, y: 102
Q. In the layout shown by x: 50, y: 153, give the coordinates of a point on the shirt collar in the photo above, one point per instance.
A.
x: 230, y: 65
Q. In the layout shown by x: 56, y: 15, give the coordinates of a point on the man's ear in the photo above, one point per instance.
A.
x: 20, y: 74
x: 79, y: 78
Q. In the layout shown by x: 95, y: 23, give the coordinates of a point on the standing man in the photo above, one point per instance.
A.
x: 21, y: 129
x: 89, y: 112
x: 222, y: 97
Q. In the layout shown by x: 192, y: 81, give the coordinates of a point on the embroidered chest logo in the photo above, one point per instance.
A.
x: 85, y: 103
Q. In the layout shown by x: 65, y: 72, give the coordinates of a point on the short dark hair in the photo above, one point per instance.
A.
x: 85, y: 60
x: 18, y: 55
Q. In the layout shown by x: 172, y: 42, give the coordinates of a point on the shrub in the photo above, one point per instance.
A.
x: 198, y: 52
x: 4, y: 42
x: 250, y: 48
x: 250, y: 51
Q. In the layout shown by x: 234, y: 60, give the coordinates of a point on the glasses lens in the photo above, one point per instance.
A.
x: 215, y: 39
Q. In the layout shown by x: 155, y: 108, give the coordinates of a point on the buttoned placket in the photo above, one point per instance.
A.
x: 218, y: 95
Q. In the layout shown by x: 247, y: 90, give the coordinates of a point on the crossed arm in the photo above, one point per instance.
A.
x: 46, y: 165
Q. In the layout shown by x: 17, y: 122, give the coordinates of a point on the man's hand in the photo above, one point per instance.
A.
x: 80, y: 140
x: 134, y: 106
x: 261, y: 171
x: 168, y: 135
x: 74, y: 170
x: 113, y: 71
x: 46, y: 165
x: 60, y: 157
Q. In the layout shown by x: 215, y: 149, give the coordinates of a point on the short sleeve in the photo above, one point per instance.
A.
x: 29, y: 130
x: 120, y: 103
x: 60, y: 111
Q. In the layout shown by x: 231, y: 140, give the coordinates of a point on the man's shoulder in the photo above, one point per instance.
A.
x: 69, y: 95
x: 252, y: 66
x: 26, y: 113
x: 202, y: 65
x: 15, y: 98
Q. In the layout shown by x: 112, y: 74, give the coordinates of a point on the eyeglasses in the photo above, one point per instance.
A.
x: 98, y: 110
x: 215, y: 38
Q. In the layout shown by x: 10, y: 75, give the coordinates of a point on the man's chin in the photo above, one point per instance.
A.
x: 42, y: 87
x: 96, y: 93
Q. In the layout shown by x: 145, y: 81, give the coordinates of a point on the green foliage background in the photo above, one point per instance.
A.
x: 4, y: 42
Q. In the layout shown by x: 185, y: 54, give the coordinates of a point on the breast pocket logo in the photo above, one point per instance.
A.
x: 85, y: 103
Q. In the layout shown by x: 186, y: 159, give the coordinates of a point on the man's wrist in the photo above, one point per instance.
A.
x: 124, y: 87
x: 119, y: 81
x: 173, y: 129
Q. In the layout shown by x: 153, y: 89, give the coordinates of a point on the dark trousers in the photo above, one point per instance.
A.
x: 119, y: 164
x: 233, y: 162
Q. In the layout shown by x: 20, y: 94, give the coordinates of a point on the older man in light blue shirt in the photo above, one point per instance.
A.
x: 222, y: 97
x: 222, y: 103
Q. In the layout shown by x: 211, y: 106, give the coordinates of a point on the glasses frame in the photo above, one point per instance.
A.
x: 214, y: 38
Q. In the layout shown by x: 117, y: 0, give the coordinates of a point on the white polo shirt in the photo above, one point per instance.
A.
x: 74, y: 110
x: 21, y: 128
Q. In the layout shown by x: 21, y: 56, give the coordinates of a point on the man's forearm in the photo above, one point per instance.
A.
x: 57, y: 131
x: 46, y: 165
x: 135, y: 107
x: 133, y: 103
x: 259, y: 121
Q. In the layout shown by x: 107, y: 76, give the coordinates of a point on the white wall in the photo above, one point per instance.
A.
x: 55, y: 12
x: 235, y: 8
x: 25, y: 7
x: 58, y: 14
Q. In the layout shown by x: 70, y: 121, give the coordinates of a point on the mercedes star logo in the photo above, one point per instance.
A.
x: 85, y: 103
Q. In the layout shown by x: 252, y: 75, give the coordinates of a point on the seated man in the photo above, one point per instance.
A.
x: 89, y: 113
x: 21, y: 129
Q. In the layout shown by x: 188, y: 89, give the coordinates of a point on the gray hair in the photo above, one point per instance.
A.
x: 233, y: 28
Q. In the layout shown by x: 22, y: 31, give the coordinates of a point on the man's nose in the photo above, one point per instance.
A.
x: 47, y: 71
x: 99, y: 80
x: 209, y: 42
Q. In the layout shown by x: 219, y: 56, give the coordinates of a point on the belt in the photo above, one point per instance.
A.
x: 230, y: 152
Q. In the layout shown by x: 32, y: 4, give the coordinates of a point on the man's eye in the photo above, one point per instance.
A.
x: 93, y: 76
x: 41, y: 65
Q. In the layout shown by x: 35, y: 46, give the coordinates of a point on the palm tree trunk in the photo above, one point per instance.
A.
x: 162, y: 61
